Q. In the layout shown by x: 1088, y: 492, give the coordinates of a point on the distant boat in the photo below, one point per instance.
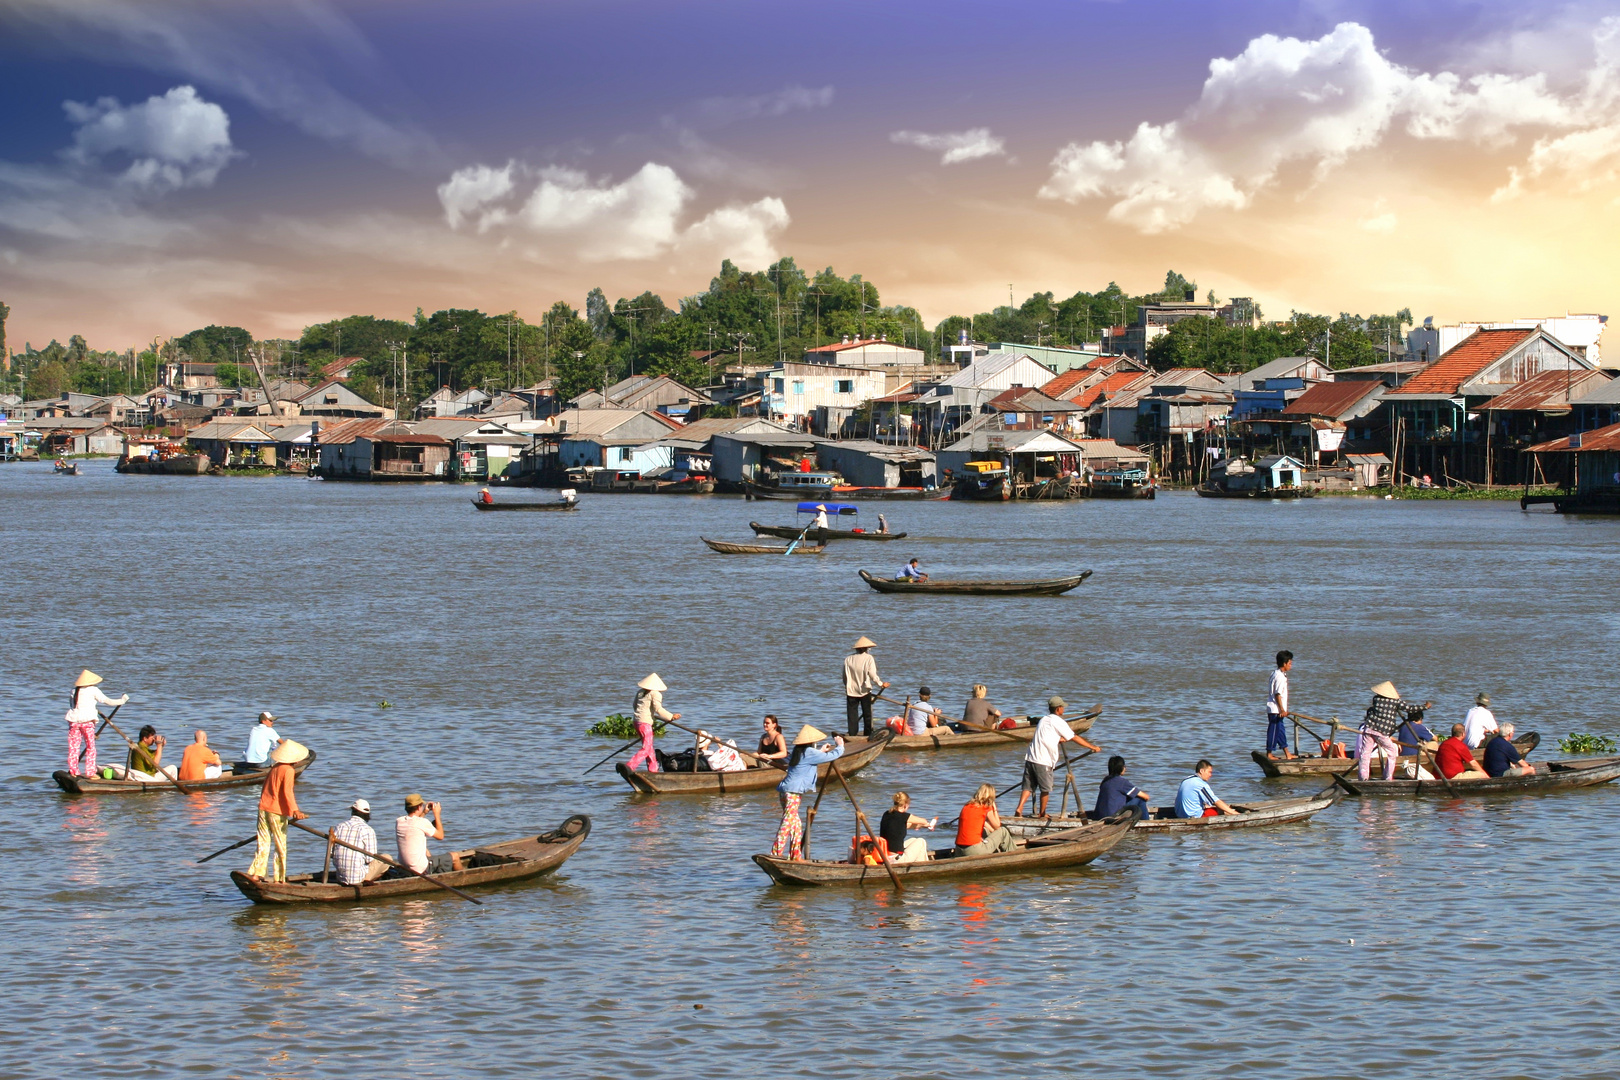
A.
x: 1027, y: 587
x: 725, y: 547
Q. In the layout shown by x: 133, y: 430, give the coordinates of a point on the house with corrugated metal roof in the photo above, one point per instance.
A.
x: 744, y: 456
x: 873, y: 464
x: 1538, y: 409
x: 1598, y: 407
x: 1587, y: 465
x: 611, y: 439
x: 371, y: 448
x: 866, y: 352
x: 234, y: 443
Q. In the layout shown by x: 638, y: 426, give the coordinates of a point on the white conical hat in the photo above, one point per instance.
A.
x: 864, y: 642
x: 808, y: 736
x: 653, y: 682
x: 86, y: 678
x: 1387, y: 689
x: 289, y: 752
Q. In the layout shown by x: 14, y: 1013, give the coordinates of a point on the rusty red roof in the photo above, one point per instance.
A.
x: 1331, y: 399
x: 1117, y: 383
x: 1472, y: 355
x: 1548, y: 391
x: 1060, y: 386
x: 1603, y: 438
x: 841, y: 346
x: 1023, y: 399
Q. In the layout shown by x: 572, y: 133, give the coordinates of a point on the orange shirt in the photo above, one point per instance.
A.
x: 277, y: 796
x: 971, y: 830
x: 197, y: 758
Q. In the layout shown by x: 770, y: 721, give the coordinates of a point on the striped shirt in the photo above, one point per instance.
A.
x: 351, y: 866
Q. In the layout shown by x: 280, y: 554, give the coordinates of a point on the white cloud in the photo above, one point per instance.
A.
x: 600, y: 220
x: 175, y: 140
x: 1285, y: 101
x: 955, y: 147
x: 719, y: 111
x: 1380, y: 220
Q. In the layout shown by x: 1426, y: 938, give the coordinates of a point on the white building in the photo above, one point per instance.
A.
x: 1580, y: 333
x: 870, y: 352
x: 795, y: 391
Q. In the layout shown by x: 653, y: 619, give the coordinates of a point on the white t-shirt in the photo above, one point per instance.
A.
x: 917, y: 714
x: 1476, y: 724
x: 1051, y: 731
x: 1277, y: 693
x: 412, y: 834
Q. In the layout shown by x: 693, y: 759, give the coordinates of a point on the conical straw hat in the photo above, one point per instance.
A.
x: 1387, y: 689
x: 289, y: 752
x: 864, y: 642
x: 86, y: 678
x: 808, y: 735
x: 653, y: 682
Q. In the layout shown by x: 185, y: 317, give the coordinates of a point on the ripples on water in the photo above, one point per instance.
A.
x: 1481, y: 928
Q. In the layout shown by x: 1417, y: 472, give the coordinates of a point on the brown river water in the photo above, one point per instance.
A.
x: 1384, y: 939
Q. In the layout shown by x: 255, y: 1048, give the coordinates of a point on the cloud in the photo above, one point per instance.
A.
x: 955, y: 146
x: 1284, y: 101
x: 720, y: 111
x: 175, y: 140
x: 1380, y: 220
x: 599, y: 220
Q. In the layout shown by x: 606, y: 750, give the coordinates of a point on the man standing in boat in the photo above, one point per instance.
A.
x: 1051, y: 732
x: 861, y: 685
x: 821, y: 517
x: 1277, y: 708
x: 277, y: 806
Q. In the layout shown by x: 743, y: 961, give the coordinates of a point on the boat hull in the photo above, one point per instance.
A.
x: 560, y: 505
x: 820, y: 536
x: 1254, y: 815
x: 751, y: 779
x: 519, y: 860
x: 1047, y: 587
x: 962, y: 738
x: 725, y: 547
x: 95, y: 785
x: 1549, y: 776
x: 1210, y: 492
x: 1323, y: 766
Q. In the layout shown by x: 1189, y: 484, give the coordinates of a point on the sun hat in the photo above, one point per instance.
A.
x: 289, y: 752
x: 864, y: 642
x: 702, y: 738
x: 808, y: 735
x: 267, y: 716
x: 412, y: 801
x: 820, y: 506
x: 1387, y: 689
x: 1482, y: 698
x: 653, y: 682
x: 86, y: 678
x: 1054, y: 703
x: 362, y: 806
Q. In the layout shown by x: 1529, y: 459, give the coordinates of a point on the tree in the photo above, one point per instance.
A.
x: 215, y: 344
x: 5, y: 354
x: 49, y: 380
x: 598, y: 314
x: 1177, y: 287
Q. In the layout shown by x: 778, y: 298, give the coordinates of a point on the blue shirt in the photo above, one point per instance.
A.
x: 261, y: 740
x: 1501, y: 755
x: 1112, y: 795
x: 1193, y: 796
x: 801, y: 778
x: 908, y: 571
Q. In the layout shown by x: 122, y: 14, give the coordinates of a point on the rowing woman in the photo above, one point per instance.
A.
x: 81, y: 721
x: 648, y: 710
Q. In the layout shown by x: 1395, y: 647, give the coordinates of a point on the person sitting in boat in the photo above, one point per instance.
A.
x: 648, y: 708
x: 883, y: 525
x: 892, y: 828
x: 349, y: 866
x: 800, y: 780
x: 1455, y: 759
x: 485, y: 497
x: 1415, y: 737
x: 199, y: 762
x: 1378, y: 726
x: 910, y: 572
x: 979, y: 830
x: 1502, y: 758
x: 772, y: 743
x: 261, y: 741
x: 81, y: 721
x: 720, y: 756
x: 1116, y: 793
x: 1195, y: 798
x: 978, y: 712
x: 146, y: 755
x: 921, y: 714
x: 821, y: 517
x: 1480, y: 723
x: 411, y: 833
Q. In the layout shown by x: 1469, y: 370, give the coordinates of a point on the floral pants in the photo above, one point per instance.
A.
x: 82, y: 737
x: 790, y: 834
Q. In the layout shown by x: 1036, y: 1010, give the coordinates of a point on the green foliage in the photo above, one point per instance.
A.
x: 1577, y: 743
x: 1213, y: 344
x: 215, y: 344
x: 1467, y: 494
x: 235, y: 374
x: 620, y: 726
x: 49, y: 380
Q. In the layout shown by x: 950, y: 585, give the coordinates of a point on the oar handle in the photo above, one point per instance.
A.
x: 382, y: 858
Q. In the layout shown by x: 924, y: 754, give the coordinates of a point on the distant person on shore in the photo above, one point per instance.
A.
x: 1502, y: 758
x: 799, y: 781
x: 1196, y: 798
x: 1480, y: 723
x: 199, y: 762
x: 772, y: 743
x: 1051, y: 732
x: 1456, y: 760
x: 978, y: 712
x: 1378, y: 726
x: 910, y: 572
x: 1116, y: 793
x: 81, y: 721
x: 861, y: 685
x: 261, y: 741
x: 648, y: 709
x: 277, y: 806
x: 1277, y: 708
x: 979, y: 831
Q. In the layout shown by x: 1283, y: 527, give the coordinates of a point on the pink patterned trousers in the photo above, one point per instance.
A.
x: 646, y: 751
x: 790, y: 834
x: 82, y: 737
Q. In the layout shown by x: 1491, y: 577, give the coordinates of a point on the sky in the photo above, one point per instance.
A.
x: 166, y: 165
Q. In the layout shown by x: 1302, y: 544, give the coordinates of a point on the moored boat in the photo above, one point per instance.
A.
x: 1316, y: 765
x: 753, y: 778
x: 96, y: 785
x: 1250, y: 815
x: 1027, y: 587
x: 1212, y: 491
x: 1549, y: 776
x: 1058, y: 851
x: 1122, y: 484
x: 836, y: 511
x: 726, y: 547
x: 961, y: 737
x: 491, y: 864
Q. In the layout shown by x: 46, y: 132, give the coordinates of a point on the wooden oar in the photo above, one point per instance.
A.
x: 796, y: 540
x: 832, y: 767
x: 183, y: 789
x: 105, y: 720
x: 810, y: 819
x: 377, y: 855
x: 611, y: 756
x: 223, y: 850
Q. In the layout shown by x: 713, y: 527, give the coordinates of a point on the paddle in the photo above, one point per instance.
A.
x: 810, y: 820
x: 1419, y: 750
x: 611, y: 756
x: 183, y: 789
x: 371, y: 855
x: 223, y: 850
x: 796, y: 539
x: 832, y: 767
x: 105, y: 720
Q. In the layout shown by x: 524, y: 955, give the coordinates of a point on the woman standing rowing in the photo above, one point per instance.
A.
x: 81, y: 721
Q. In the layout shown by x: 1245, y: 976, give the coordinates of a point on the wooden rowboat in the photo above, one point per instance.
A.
x: 493, y: 864
x: 820, y: 536
x: 960, y: 737
x: 1059, y: 851
x: 95, y: 785
x: 1252, y: 815
x: 1047, y: 587
x: 1318, y: 765
x: 1549, y: 776
x: 725, y: 547
x: 757, y: 778
x: 560, y: 504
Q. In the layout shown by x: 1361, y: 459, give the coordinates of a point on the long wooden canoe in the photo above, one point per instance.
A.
x: 960, y: 737
x: 1252, y: 815
x: 95, y: 785
x: 1033, y: 587
x: 726, y: 547
x: 560, y: 504
x: 1549, y: 776
x: 1318, y: 765
x: 1059, y: 851
x: 756, y: 778
x: 820, y: 536
x: 493, y: 864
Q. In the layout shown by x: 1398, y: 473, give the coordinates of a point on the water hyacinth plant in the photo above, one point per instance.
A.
x: 1580, y: 743
x: 620, y: 726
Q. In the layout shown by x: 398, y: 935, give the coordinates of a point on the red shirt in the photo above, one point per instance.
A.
x: 1453, y: 757
x: 971, y: 830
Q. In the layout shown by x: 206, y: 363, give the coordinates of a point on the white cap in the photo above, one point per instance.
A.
x: 362, y: 806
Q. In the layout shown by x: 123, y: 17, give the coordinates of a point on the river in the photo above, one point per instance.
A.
x: 1384, y: 939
